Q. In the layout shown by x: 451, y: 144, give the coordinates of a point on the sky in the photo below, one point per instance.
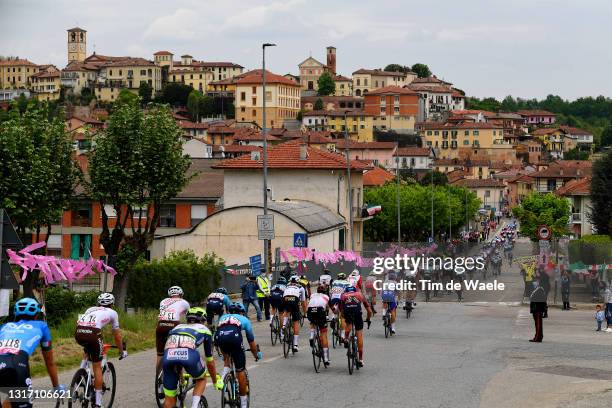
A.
x: 526, y: 48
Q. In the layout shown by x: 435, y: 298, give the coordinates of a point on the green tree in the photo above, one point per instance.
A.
x: 38, y: 173
x: 397, y: 68
x: 175, y: 94
x: 509, y: 104
x: 575, y: 154
x: 543, y: 209
x: 137, y: 165
x: 193, y: 105
x: 126, y: 97
x: 207, y: 106
x: 606, y: 136
x: 601, y: 195
x: 421, y: 70
x: 326, y: 84
x: 318, y: 105
x: 439, y: 178
x: 145, y: 92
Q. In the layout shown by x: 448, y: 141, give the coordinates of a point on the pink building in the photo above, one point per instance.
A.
x: 537, y: 117
x: 379, y: 153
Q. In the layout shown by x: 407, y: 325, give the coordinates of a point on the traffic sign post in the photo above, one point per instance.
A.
x: 255, y: 263
x: 8, y: 240
x: 544, y: 233
x: 300, y: 240
x: 265, y: 226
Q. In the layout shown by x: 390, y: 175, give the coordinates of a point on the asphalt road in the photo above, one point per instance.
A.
x: 448, y: 354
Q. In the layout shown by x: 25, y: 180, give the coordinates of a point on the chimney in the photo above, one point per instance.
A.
x: 331, y: 59
x: 303, y: 152
x: 560, y: 172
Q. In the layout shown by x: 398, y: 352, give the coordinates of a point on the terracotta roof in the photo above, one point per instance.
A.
x: 454, y: 175
x: 77, y: 29
x: 376, y: 177
x: 222, y: 64
x: 413, y: 151
x: 379, y: 72
x: 46, y: 74
x: 163, y: 53
x: 575, y: 130
x: 256, y: 77
x: 545, y: 131
x: 80, y: 66
x: 236, y: 148
x: 317, y: 112
x: 476, y: 183
x: 341, y: 144
x: 575, y: 187
x: 430, y: 80
x: 534, y: 112
x: 207, y: 183
x: 187, y: 124
x: 472, y: 112
x: 525, y: 178
x: 565, y: 170
x: 253, y: 136
x: 318, y: 137
x: 127, y: 62
x: 341, y: 78
x: 349, y: 112
x: 287, y: 156
x: 391, y: 89
x: 465, y: 125
x: 430, y: 88
x: 19, y: 61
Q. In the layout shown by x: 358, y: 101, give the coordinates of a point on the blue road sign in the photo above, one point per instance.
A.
x: 255, y: 262
x: 300, y: 240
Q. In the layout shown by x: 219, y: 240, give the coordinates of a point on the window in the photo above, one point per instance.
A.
x: 254, y: 112
x: 551, y: 185
x: 445, y: 134
x: 487, y: 193
x: 397, y: 99
x: 429, y: 133
x: 475, y: 133
x: 143, y: 72
x: 120, y: 72
x: 436, y: 133
x: 243, y: 96
x: 396, y: 110
x: 80, y: 246
x: 466, y: 142
x: 383, y: 110
x: 466, y: 133
x: 268, y: 96
x: 382, y: 100
x: 445, y: 144
x: 198, y: 213
x: 167, y: 215
x: 81, y: 216
x: 365, y: 81
x: 254, y: 90
x: 139, y: 212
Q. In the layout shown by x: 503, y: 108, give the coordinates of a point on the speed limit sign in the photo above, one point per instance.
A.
x: 544, y: 232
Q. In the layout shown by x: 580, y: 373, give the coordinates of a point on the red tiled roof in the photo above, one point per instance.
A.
x: 376, y: 177
x: 46, y: 74
x: 77, y: 29
x: 476, y: 183
x: 465, y: 125
x: 575, y: 130
x: 413, y: 151
x: 287, y: 156
x: 163, y: 53
x: 341, y: 144
x: 454, y: 175
x: 575, y: 187
x: 318, y: 137
x: 471, y: 112
x: 318, y: 112
x: 341, y: 78
x: 235, y: 148
x: 253, y: 136
x: 430, y: 80
x: 391, y: 89
x: 256, y: 77
x: 129, y: 61
x: 19, y: 61
x: 80, y: 66
x: 572, y: 169
x: 430, y: 88
x: 379, y: 72
x: 187, y: 124
x: 534, y: 112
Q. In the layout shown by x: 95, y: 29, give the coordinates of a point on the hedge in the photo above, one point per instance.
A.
x: 149, y: 282
x: 591, y: 249
x: 61, y: 303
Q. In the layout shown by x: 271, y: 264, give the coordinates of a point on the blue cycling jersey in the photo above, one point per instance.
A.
x: 239, y: 321
x: 191, y: 336
x: 216, y: 297
x: 24, y: 335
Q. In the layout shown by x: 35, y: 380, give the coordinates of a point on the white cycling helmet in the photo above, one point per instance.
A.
x: 106, y: 299
x: 175, y: 291
x: 355, y: 273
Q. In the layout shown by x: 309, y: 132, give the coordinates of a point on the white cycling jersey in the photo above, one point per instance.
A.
x: 318, y: 300
x: 98, y: 317
x: 295, y: 290
x: 325, y: 279
x: 337, y: 288
x: 173, y: 309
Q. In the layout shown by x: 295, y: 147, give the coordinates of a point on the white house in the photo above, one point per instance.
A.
x: 416, y: 158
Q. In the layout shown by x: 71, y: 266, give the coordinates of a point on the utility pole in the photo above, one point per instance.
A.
x: 348, y: 178
x: 432, y: 204
x: 397, y: 171
x: 267, y: 244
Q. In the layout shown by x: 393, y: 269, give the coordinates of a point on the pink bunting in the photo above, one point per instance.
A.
x: 54, y: 269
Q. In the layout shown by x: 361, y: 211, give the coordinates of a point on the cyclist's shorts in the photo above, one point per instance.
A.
x: 291, y: 304
x: 161, y: 334
x: 15, y: 372
x: 354, y: 318
x: 90, y: 338
x: 277, y: 303
x: 333, y: 302
x: 391, y: 305
x: 229, y: 341
x: 173, y: 360
x: 317, y: 317
x: 213, y: 309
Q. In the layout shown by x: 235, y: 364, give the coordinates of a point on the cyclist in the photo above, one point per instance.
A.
x: 317, y: 315
x: 370, y: 291
x: 325, y: 279
x: 335, y: 293
x: 215, y: 303
x: 228, y: 338
x: 293, y: 297
x: 306, y: 285
x: 181, y: 352
x: 18, y: 341
x: 355, y: 279
x: 89, y: 335
x: 389, y: 301
x: 276, y: 297
x: 171, y: 310
x: 350, y: 304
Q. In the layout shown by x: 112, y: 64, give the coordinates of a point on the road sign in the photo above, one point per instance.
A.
x: 300, y: 240
x: 265, y: 226
x: 544, y: 245
x: 8, y: 239
x: 255, y: 263
x: 544, y: 233
x: 431, y: 240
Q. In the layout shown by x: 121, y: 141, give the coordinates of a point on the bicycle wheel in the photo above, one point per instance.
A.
x: 355, y: 351
x: 203, y: 402
x: 78, y: 390
x: 316, y: 352
x: 334, y: 333
x: 229, y: 391
x: 159, y: 397
x: 108, y: 387
x: 349, y: 354
x: 301, y: 319
x: 286, y: 341
x: 386, y: 324
x: 275, y: 330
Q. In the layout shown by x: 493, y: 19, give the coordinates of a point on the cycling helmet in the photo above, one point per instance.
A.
x: 195, y: 315
x: 221, y: 290
x: 106, y: 299
x: 350, y: 289
x: 281, y: 281
x: 341, y: 276
x: 303, y: 277
x: 325, y: 271
x: 175, y: 291
x: 27, y: 306
x: 236, y: 308
x: 355, y: 273
x: 321, y: 289
x: 294, y: 279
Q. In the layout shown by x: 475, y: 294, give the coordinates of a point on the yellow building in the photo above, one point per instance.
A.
x: 77, y: 44
x: 79, y: 75
x: 45, y: 85
x: 15, y: 73
x: 190, y: 72
x: 344, y: 85
x: 310, y: 71
x: 360, y: 124
x: 451, y: 140
x: 282, y: 99
x: 126, y: 73
x: 365, y: 80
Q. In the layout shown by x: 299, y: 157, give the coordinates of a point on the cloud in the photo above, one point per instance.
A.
x: 183, y: 24
x: 259, y: 16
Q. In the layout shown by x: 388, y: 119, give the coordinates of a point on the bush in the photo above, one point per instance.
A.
x: 150, y: 281
x: 591, y: 249
x: 61, y: 302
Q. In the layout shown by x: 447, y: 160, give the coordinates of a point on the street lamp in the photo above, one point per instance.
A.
x: 348, y: 178
x: 397, y: 171
x: 432, y: 205
x: 267, y: 254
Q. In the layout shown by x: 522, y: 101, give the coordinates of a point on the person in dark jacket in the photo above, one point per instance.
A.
x: 565, y: 290
x: 249, y: 296
x: 538, y: 308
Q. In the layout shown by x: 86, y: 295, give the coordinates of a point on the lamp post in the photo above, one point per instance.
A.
x: 348, y: 179
x: 397, y: 176
x: 267, y: 254
x: 432, y: 205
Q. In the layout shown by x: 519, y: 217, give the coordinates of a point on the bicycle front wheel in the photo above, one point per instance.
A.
x: 387, y: 328
x: 317, y: 352
x: 229, y: 395
x: 159, y: 397
x: 349, y: 354
x: 78, y: 390
x: 203, y: 402
x: 110, y: 383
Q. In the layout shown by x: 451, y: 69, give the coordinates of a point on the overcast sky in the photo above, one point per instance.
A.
x: 527, y: 48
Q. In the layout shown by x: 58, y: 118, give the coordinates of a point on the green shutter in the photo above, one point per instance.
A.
x: 75, y: 243
x: 86, y: 246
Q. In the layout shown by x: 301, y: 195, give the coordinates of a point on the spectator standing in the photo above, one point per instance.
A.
x: 607, y: 296
x: 263, y: 294
x: 538, y: 308
x: 565, y: 290
x: 600, y: 316
x: 249, y: 296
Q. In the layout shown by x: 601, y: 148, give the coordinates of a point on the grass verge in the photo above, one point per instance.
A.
x: 137, y: 329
